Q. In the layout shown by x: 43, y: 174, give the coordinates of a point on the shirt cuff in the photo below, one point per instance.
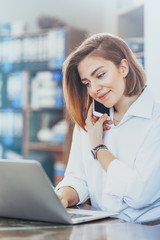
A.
x: 79, y: 186
x: 118, y: 174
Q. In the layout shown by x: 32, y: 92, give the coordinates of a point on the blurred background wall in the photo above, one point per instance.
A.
x: 91, y: 15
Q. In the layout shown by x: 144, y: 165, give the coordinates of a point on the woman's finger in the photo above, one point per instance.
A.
x: 106, y: 127
x: 90, y: 110
x: 95, y: 118
x: 90, y: 120
x: 63, y: 201
x: 103, y: 118
x: 108, y: 122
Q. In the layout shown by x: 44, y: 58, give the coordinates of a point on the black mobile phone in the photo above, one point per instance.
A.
x: 99, y: 109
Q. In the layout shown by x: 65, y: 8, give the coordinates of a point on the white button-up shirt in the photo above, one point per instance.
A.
x: 131, y: 186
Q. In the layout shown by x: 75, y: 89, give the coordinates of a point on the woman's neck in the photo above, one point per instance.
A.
x: 122, y: 106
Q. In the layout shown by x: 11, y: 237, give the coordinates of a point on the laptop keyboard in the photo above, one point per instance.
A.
x: 74, y: 215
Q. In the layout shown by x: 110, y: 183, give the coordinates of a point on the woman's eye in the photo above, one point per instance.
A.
x: 100, y: 75
x: 87, y: 84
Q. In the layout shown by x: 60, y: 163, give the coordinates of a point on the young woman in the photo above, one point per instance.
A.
x: 116, y: 162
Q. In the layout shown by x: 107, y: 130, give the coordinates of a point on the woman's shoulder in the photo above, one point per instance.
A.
x: 156, y: 108
x: 79, y: 131
x: 156, y: 113
x: 153, y: 103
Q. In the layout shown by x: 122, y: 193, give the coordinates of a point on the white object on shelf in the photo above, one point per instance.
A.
x: 56, y: 134
x: 45, y: 135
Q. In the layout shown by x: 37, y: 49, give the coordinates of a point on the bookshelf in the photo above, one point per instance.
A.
x: 130, y: 26
x: 32, y: 111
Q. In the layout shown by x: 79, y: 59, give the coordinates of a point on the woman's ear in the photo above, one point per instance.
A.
x: 124, y: 66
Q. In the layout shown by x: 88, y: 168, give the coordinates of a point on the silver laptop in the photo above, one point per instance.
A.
x: 27, y: 193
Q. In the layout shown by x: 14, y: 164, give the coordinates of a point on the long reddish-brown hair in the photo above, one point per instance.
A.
x: 109, y: 47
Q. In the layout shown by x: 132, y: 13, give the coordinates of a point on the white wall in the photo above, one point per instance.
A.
x: 109, y: 19
x: 92, y: 15
x: 152, y: 45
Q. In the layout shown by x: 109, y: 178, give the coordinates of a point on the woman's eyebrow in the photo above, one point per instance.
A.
x: 96, y: 70
x: 84, y: 79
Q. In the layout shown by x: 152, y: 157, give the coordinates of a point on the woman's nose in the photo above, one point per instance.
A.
x: 95, y: 87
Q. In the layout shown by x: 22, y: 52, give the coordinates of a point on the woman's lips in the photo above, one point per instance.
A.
x: 104, y: 95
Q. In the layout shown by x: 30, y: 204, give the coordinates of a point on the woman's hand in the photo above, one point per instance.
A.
x: 95, y: 127
x: 68, y: 196
x: 63, y: 201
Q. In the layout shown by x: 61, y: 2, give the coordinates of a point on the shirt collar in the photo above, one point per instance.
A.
x: 143, y: 106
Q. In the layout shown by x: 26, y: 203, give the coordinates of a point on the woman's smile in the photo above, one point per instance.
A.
x: 104, y: 95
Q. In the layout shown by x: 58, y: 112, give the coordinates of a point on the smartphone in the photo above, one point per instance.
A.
x: 99, y: 109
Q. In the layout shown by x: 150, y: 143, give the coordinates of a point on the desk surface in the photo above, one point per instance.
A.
x: 108, y: 229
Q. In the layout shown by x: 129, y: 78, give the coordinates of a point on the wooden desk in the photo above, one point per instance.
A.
x: 108, y: 229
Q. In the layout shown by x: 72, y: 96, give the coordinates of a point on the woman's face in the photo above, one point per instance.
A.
x: 103, y: 80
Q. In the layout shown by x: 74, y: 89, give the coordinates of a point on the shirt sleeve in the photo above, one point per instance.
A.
x: 75, y: 174
x: 138, y: 186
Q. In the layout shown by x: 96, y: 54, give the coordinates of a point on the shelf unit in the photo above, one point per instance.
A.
x: 23, y: 59
x: 130, y: 22
x: 143, y: 21
x: 130, y: 26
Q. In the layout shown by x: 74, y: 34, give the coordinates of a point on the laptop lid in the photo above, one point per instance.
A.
x: 27, y: 193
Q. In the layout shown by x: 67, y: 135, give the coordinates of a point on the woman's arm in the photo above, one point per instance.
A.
x: 95, y: 128
x: 136, y: 181
x: 68, y: 196
x: 105, y: 157
x: 73, y: 187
